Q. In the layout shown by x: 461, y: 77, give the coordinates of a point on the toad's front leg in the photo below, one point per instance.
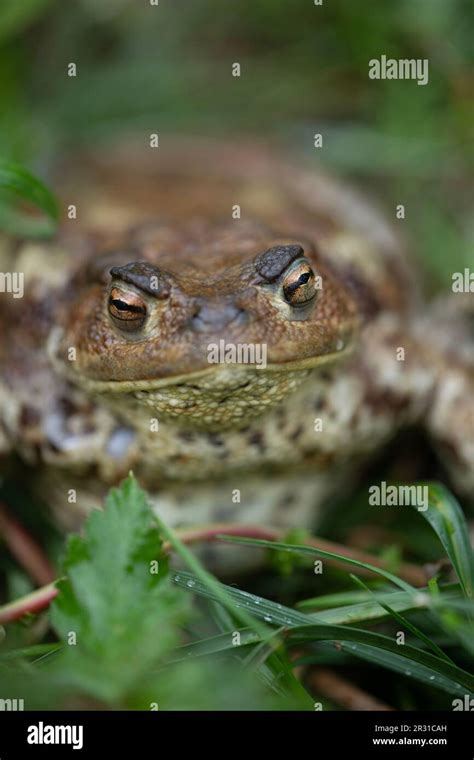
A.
x: 422, y: 371
x: 447, y: 334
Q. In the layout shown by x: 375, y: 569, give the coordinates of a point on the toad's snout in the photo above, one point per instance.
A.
x: 212, y: 316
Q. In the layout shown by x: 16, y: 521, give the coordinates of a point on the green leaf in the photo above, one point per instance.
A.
x: 117, y: 602
x: 17, y: 188
x: 447, y: 520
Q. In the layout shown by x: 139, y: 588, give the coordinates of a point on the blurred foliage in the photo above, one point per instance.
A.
x: 128, y: 632
x: 304, y: 70
x: 18, y: 187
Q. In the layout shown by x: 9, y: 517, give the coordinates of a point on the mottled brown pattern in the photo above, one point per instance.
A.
x: 85, y: 420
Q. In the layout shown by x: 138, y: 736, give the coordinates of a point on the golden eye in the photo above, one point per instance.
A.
x: 299, y: 284
x: 127, y: 309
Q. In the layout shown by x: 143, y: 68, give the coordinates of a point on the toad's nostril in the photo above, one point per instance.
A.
x: 215, y: 316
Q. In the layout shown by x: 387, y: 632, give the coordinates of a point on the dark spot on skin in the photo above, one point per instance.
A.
x: 186, y: 435
x: 271, y: 264
x: 320, y: 460
x: 179, y: 459
x: 215, y: 439
x: 319, y: 404
x: 257, y: 439
x: 296, y: 433
x: 380, y: 401
x: 67, y: 406
x: 29, y: 416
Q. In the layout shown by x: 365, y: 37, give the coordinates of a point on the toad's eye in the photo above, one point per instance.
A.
x: 299, y: 284
x: 127, y: 309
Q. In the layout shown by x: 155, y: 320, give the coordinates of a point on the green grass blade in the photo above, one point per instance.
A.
x: 254, y: 606
x: 369, y: 646
x: 406, y: 659
x: 447, y: 520
x: 312, y: 551
x: 217, y: 590
x: 279, y: 615
x: 346, y: 599
x: 405, y: 623
x: 389, y: 660
x: 35, y: 650
x: 223, y: 642
x: 328, y: 601
x: 17, y: 187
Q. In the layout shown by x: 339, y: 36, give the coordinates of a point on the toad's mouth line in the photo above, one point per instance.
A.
x: 228, y: 376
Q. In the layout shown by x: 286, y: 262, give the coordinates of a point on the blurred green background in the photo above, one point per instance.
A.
x: 167, y: 68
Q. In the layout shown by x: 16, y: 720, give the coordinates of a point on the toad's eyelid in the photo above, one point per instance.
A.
x: 274, y: 262
x: 144, y: 276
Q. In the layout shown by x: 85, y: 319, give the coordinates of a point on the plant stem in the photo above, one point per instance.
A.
x: 34, y: 602
x: 413, y: 574
x: 25, y: 549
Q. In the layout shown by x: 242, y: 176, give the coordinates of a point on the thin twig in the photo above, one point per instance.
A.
x: 34, y: 602
x: 410, y: 573
x: 25, y: 549
x: 43, y: 596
